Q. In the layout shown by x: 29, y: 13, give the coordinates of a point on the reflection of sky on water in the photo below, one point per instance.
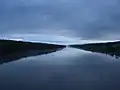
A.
x: 69, y: 69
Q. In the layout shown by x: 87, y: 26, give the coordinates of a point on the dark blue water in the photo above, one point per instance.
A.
x: 68, y: 69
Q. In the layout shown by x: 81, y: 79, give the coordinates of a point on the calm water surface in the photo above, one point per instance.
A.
x: 68, y: 69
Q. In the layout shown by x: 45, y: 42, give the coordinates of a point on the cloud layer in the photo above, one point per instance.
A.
x: 86, y: 19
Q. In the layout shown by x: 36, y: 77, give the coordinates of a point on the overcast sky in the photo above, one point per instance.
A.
x: 60, y: 20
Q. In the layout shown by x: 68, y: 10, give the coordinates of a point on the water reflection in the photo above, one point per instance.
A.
x: 109, y: 48
x: 13, y: 56
x: 115, y: 54
x: 68, y: 69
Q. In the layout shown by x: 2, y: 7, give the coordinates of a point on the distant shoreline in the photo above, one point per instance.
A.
x: 11, y: 50
x: 111, y: 48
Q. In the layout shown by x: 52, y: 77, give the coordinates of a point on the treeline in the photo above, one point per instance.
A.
x: 8, y: 46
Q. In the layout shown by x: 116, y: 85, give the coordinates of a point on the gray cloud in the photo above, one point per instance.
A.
x: 87, y: 19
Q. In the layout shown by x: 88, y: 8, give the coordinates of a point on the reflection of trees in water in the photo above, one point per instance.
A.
x: 9, y: 57
x: 110, y: 48
x: 13, y: 50
x: 112, y: 54
x: 115, y: 55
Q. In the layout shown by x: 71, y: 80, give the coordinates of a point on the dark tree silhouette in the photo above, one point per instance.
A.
x: 14, y: 50
x: 110, y: 48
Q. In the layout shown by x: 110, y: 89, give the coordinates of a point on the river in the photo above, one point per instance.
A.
x: 68, y: 69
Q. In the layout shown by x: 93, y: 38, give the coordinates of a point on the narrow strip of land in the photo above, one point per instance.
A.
x: 111, y: 48
x: 11, y: 50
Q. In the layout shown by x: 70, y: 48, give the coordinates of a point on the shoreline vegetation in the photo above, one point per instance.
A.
x: 110, y: 48
x: 11, y: 50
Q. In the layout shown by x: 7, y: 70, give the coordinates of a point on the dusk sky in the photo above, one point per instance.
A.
x: 60, y: 20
